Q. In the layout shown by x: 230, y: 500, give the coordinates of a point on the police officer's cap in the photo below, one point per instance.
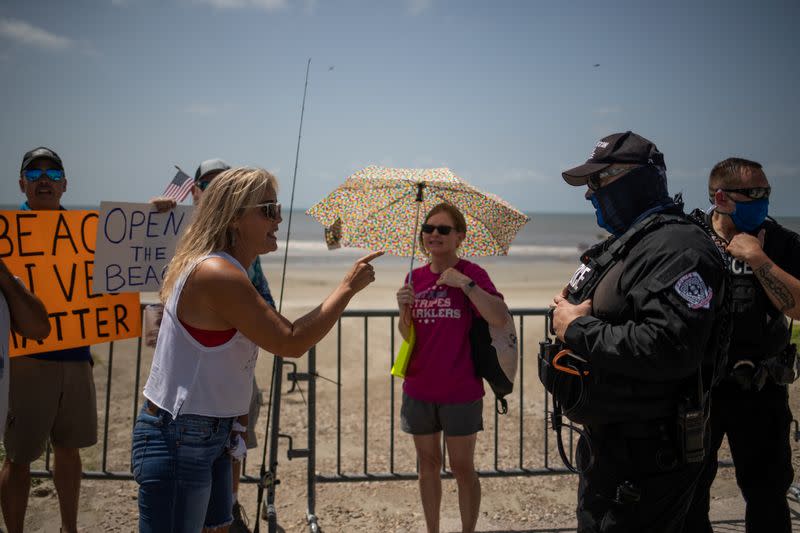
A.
x: 627, y: 148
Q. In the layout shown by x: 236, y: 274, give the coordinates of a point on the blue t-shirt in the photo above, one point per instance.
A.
x: 81, y: 353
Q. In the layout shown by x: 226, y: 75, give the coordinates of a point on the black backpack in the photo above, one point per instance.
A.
x: 494, y: 355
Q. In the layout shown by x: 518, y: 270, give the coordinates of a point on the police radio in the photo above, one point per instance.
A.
x: 691, y: 433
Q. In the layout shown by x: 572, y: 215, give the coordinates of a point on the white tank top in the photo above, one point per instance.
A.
x: 189, y: 378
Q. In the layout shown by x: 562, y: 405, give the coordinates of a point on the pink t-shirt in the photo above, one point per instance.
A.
x: 441, y: 369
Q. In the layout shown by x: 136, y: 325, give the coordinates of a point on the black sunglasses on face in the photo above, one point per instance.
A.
x: 203, y: 184
x: 443, y: 230
x: 754, y: 193
x: 595, y: 181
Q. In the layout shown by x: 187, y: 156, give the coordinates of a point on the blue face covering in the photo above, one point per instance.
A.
x: 748, y: 216
x: 620, y: 203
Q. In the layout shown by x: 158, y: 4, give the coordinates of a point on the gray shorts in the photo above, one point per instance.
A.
x: 418, y: 417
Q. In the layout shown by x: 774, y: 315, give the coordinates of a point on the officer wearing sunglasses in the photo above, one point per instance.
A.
x: 751, y: 404
x: 42, y: 179
x: 637, y: 322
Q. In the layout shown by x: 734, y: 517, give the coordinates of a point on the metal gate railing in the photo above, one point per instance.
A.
x: 352, y: 434
x: 352, y: 412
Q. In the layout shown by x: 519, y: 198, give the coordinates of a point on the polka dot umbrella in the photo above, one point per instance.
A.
x: 380, y: 208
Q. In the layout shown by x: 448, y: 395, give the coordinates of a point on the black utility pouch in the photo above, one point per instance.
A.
x: 691, y: 434
x: 784, y: 368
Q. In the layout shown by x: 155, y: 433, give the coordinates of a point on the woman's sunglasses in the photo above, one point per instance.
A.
x: 34, y: 174
x: 754, y: 193
x: 443, y: 230
x: 270, y: 209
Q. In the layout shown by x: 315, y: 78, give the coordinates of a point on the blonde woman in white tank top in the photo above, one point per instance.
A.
x: 194, y: 391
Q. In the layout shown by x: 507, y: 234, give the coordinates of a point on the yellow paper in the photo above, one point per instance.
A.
x: 404, y: 355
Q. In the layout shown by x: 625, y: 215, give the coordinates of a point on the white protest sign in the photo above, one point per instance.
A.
x: 135, y: 244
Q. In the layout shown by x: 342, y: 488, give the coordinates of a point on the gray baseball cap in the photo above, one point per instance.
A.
x: 210, y: 165
x: 40, y: 153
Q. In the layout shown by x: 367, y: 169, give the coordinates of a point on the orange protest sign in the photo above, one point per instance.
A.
x: 52, y: 252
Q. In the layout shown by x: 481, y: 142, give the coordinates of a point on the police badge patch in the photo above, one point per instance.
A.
x: 694, y: 290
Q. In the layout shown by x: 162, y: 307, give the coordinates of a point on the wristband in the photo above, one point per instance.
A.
x: 469, y: 286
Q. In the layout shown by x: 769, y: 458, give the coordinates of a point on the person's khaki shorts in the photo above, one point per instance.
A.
x: 54, y: 399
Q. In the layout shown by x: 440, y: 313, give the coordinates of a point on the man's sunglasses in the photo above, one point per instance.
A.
x: 270, y: 209
x: 754, y: 193
x: 443, y: 230
x: 34, y: 174
x: 203, y: 184
x: 595, y: 181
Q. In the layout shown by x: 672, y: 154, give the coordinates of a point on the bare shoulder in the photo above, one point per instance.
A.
x: 217, y: 276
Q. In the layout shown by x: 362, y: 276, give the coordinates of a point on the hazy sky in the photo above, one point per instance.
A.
x: 506, y: 93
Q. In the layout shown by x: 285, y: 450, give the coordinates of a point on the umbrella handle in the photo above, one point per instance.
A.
x: 420, y: 186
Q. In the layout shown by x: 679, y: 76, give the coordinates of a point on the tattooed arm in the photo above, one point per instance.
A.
x: 782, y: 288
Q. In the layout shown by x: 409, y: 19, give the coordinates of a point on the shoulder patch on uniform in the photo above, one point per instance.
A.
x: 694, y: 290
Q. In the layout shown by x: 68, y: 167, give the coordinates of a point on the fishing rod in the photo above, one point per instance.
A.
x: 268, y: 476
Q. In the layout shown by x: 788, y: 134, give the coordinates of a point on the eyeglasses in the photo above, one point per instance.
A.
x: 270, y: 209
x: 754, y: 193
x: 34, y: 174
x: 203, y: 184
x: 443, y: 230
x: 595, y: 181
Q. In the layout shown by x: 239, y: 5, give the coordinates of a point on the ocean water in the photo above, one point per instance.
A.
x: 546, y: 237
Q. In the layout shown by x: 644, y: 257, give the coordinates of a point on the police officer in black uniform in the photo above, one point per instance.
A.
x: 636, y: 320
x: 751, y: 404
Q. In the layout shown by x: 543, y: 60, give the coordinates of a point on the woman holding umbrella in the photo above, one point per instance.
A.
x: 441, y: 391
x: 201, y: 376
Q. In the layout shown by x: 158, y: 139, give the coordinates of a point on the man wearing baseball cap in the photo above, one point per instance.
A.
x: 203, y: 176
x: 635, y: 323
x: 52, y: 394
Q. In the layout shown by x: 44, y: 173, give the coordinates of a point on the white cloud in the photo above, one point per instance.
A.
x: 417, y: 7
x: 267, y: 5
x: 27, y: 34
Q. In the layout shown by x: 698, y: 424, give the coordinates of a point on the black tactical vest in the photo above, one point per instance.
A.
x: 597, y: 398
x: 761, y: 331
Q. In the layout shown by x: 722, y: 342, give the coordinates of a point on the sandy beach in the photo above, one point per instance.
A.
x: 539, y: 503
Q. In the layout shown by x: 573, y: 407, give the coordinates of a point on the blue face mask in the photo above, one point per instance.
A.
x: 748, y: 216
x: 598, y: 212
x: 620, y: 203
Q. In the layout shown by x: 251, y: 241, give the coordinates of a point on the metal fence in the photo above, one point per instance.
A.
x: 350, y: 422
x: 353, y: 437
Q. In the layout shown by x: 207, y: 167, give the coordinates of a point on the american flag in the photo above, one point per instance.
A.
x: 179, y: 187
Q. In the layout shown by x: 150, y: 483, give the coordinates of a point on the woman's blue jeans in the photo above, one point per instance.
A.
x: 183, y: 470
